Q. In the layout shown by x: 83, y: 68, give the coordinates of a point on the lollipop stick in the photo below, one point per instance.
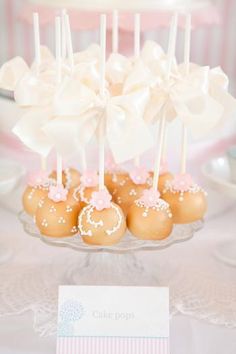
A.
x: 69, y: 42
x: 37, y: 59
x: 63, y: 34
x: 43, y: 163
x: 136, y: 55
x: 36, y: 41
x: 157, y: 163
x: 115, y: 32
x: 187, y: 45
x: 102, y: 94
x: 170, y: 56
x: 58, y: 78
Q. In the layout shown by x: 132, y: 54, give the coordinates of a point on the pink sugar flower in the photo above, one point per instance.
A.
x: 139, y: 175
x: 182, y: 182
x: 89, y: 178
x: 150, y: 197
x: 58, y: 193
x: 101, y: 199
x: 37, y: 178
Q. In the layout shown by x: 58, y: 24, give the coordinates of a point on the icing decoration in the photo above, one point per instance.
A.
x: 101, y: 199
x: 89, y: 178
x: 160, y: 205
x: 139, y: 175
x: 38, y: 178
x: 58, y: 193
x: 88, y: 210
x: 193, y: 188
x: 182, y: 182
x: 149, y: 198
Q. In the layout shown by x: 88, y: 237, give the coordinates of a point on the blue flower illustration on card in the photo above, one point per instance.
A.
x: 71, y: 311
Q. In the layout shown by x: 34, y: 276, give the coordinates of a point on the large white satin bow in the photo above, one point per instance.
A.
x: 218, y: 83
x: 186, y: 96
x: 86, y: 67
x: 154, y: 57
x: 78, y: 111
x: 31, y: 87
x: 29, y: 129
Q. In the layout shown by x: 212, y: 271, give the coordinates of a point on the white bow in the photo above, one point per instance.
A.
x: 79, y: 110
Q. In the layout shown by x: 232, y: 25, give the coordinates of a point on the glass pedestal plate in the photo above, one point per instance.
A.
x: 116, y: 264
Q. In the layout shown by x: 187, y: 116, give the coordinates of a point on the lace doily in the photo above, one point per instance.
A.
x: 200, y: 285
x: 194, y: 290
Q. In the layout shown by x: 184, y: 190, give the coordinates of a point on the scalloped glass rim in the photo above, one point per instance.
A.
x: 180, y: 233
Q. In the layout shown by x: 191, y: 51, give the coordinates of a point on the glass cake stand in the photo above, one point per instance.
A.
x: 117, y: 263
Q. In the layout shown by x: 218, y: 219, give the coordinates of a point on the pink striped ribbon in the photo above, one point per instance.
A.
x: 112, y: 345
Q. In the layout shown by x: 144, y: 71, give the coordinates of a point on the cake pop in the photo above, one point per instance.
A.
x: 132, y: 188
x: 89, y: 184
x: 70, y: 177
x: 187, y: 200
x: 57, y: 213
x: 149, y: 217
x: 115, y: 177
x: 37, y: 189
x: 101, y: 222
x: 164, y: 176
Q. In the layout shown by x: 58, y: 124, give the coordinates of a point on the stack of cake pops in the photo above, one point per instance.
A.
x: 70, y: 99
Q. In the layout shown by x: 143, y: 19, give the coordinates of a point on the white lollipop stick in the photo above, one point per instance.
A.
x: 58, y: 78
x: 187, y: 49
x: 83, y: 160
x: 63, y: 34
x: 102, y: 94
x: 115, y: 32
x: 137, y: 29
x: 69, y: 42
x: 36, y: 41
x: 43, y: 163
x: 170, y: 56
x: 137, y: 36
x: 37, y: 54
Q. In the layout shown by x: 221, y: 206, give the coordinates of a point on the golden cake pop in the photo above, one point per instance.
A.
x: 101, y: 222
x: 164, y: 175
x: 186, y: 199
x: 38, y: 186
x: 132, y: 188
x: 163, y: 178
x: 70, y: 177
x: 57, y: 214
x: 150, y: 218
x: 116, y: 180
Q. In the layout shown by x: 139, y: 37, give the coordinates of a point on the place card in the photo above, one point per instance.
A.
x: 113, y: 320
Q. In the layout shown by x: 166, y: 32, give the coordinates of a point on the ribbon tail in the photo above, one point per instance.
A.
x: 29, y: 131
x: 79, y: 131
